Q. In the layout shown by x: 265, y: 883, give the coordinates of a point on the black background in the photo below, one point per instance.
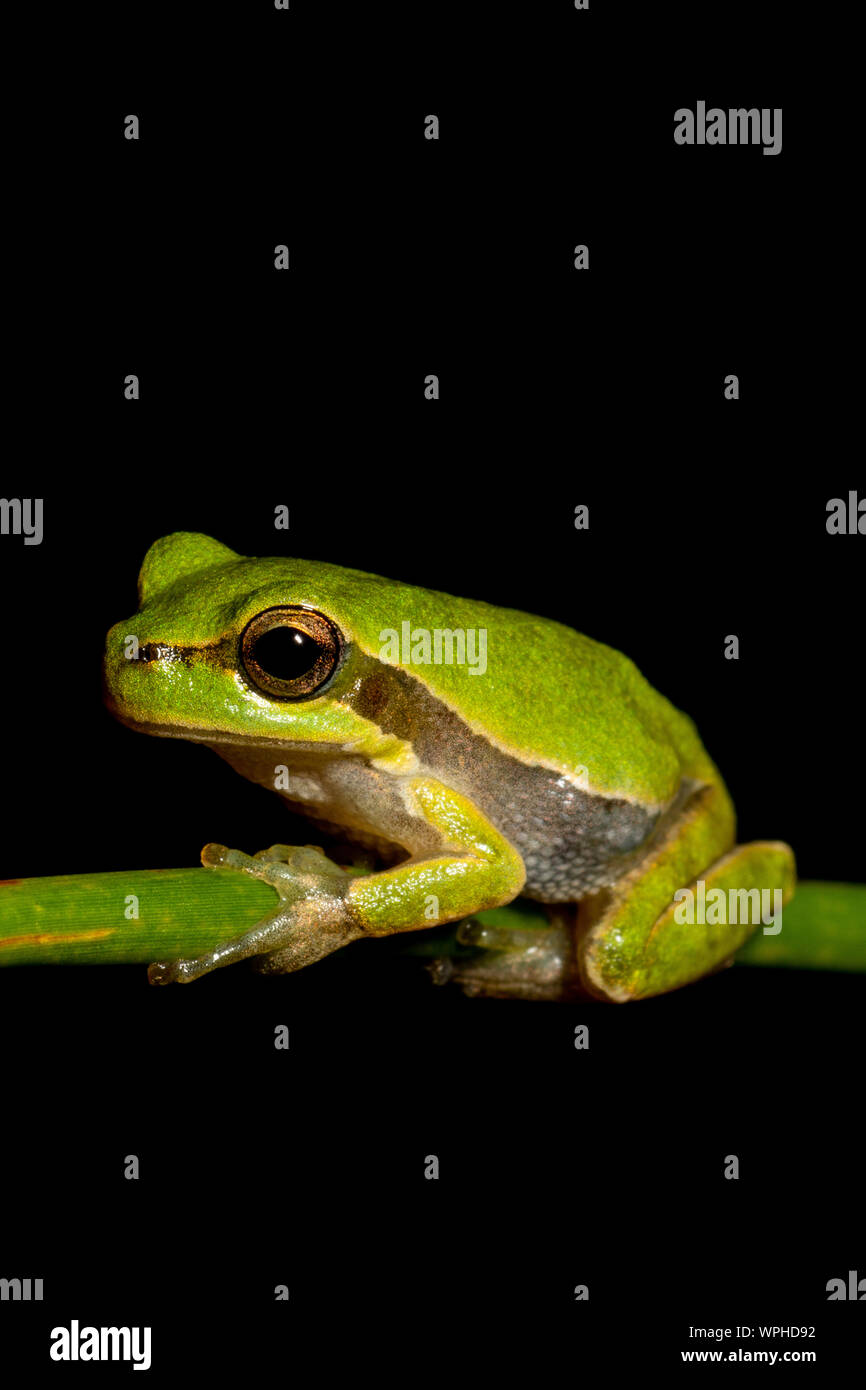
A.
x: 707, y: 517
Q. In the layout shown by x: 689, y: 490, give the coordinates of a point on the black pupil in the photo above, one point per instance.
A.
x: 286, y: 652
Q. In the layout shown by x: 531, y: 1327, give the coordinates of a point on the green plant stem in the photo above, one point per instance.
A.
x: 823, y: 928
x: 82, y: 919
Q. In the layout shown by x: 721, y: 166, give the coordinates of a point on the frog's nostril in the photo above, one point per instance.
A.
x: 158, y: 651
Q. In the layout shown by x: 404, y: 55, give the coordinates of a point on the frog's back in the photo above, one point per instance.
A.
x: 546, y: 694
x: 569, y: 752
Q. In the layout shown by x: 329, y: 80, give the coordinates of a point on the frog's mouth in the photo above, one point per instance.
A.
x: 213, y: 738
x: 127, y: 699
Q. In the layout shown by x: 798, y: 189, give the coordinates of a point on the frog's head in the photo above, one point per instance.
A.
x: 229, y: 650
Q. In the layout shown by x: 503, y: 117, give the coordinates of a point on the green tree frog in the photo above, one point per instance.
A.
x: 480, y: 752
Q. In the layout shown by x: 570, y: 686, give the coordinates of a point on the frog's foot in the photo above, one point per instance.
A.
x: 512, y: 962
x: 310, y: 921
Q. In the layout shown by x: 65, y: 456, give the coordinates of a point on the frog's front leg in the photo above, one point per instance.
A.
x: 302, y: 877
x: 630, y: 944
x: 324, y: 907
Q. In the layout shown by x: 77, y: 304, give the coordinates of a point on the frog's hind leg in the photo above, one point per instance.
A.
x: 513, y: 962
x: 686, y: 908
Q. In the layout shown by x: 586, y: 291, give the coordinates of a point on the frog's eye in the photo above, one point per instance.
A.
x: 290, y: 652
